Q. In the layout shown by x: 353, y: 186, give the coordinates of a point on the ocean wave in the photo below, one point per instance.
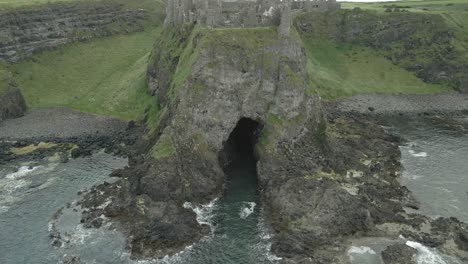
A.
x: 204, y: 212
x: 425, y: 255
x: 22, y: 171
x: 417, y: 154
x: 352, y: 251
x: 4, y: 209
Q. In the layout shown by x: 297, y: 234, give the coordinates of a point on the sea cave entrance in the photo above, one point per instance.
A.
x: 239, y: 149
x: 237, y: 219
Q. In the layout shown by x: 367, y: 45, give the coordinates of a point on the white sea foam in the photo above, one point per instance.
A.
x: 11, y: 186
x: 361, y: 250
x: 264, y: 245
x: 425, y: 255
x: 3, y: 209
x: 204, y: 212
x: 247, y: 210
x: 417, y: 154
x: 413, y: 176
x: 22, y: 171
x: 352, y: 251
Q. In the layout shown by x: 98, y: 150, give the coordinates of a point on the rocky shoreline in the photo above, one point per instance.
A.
x: 452, y: 103
x: 352, y: 197
x: 328, y: 173
x: 67, y: 133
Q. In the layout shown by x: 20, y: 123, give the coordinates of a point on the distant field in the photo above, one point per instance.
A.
x: 340, y: 70
x: 419, y: 6
x: 16, y: 3
x: 104, y: 76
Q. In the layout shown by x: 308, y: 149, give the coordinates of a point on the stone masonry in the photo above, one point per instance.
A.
x: 242, y: 13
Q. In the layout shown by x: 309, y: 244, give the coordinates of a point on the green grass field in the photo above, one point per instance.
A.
x: 5, y: 76
x: 339, y: 70
x: 104, y: 76
x: 20, y: 3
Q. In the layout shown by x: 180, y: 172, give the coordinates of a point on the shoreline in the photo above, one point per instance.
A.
x: 59, y: 123
x: 450, y: 103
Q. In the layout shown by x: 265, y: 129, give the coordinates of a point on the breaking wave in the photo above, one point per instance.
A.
x: 204, y: 212
x: 247, y: 210
x: 22, y: 171
x: 425, y: 255
x: 417, y: 154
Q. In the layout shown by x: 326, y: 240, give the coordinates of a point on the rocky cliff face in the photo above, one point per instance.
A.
x: 421, y: 43
x: 24, y: 31
x: 12, y: 104
x: 325, y: 178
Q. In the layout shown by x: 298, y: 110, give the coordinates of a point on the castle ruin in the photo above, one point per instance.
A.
x: 242, y: 13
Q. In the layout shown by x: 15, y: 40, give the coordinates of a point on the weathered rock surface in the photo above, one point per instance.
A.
x: 325, y: 177
x: 25, y: 31
x: 421, y: 43
x: 12, y: 104
x: 399, y: 254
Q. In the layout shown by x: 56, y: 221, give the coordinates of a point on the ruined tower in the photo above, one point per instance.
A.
x: 285, y: 23
x: 213, y: 13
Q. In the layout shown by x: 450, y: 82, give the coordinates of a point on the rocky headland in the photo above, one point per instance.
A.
x: 328, y: 173
x: 326, y: 176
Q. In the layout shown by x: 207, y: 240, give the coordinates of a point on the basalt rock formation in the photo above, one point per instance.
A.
x: 12, y: 104
x: 325, y: 177
x: 25, y: 31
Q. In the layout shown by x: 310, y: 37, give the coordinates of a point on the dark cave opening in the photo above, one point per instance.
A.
x: 239, y: 149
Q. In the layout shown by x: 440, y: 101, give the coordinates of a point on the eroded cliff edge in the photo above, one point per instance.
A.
x: 325, y: 177
x: 28, y: 30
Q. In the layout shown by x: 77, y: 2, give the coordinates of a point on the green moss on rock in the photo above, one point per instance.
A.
x: 163, y: 148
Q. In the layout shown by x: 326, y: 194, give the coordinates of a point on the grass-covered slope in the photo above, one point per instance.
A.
x: 105, y: 76
x: 357, y: 50
x: 340, y: 69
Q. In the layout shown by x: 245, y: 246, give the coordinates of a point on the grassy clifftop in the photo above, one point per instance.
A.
x: 358, y: 50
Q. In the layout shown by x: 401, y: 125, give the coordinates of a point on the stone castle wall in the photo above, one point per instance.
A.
x: 242, y: 13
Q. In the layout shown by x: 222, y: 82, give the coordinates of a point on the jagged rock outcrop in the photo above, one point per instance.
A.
x: 25, y: 31
x: 421, y: 43
x: 399, y: 254
x: 325, y: 178
x: 12, y: 104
